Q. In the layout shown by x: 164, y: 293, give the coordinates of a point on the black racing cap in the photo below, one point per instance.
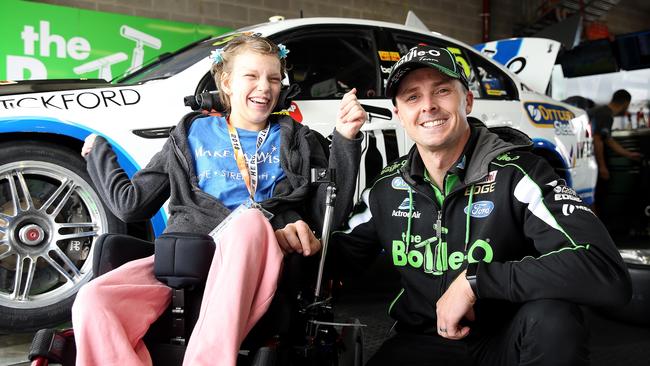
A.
x: 424, y: 56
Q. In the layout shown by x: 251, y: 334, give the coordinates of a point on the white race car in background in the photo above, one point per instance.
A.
x: 50, y: 212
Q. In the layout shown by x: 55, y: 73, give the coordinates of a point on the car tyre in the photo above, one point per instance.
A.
x: 637, y: 310
x: 50, y: 215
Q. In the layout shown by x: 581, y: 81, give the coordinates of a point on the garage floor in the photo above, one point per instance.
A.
x: 613, y: 343
x: 14, y: 348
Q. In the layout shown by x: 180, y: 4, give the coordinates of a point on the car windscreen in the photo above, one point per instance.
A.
x: 167, y: 65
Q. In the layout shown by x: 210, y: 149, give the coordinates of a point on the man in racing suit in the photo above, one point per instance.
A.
x: 494, y: 250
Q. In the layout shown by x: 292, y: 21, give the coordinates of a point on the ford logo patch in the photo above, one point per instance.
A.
x: 481, y: 209
x: 399, y: 183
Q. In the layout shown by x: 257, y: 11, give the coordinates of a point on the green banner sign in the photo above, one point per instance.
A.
x: 41, y: 41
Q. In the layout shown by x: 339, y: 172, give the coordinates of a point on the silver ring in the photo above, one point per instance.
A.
x: 442, y: 330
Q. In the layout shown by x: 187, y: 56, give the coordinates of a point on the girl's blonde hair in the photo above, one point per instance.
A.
x: 236, y: 46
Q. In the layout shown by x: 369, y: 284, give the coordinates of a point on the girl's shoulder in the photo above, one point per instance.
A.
x: 281, y: 118
x: 285, y: 122
x: 205, y: 122
x: 208, y: 119
x: 193, y: 119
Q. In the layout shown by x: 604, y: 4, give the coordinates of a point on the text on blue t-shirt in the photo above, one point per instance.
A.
x: 216, y: 167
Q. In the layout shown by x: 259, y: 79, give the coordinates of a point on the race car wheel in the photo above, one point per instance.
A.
x: 50, y: 215
x: 637, y: 310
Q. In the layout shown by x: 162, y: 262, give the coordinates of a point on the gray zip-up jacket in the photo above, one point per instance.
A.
x: 171, y: 175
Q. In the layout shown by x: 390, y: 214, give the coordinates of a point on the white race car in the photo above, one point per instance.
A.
x: 50, y: 212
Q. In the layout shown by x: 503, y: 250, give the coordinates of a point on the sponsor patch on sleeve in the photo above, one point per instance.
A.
x: 568, y: 209
x: 491, y: 177
x: 399, y: 184
x: 564, y: 193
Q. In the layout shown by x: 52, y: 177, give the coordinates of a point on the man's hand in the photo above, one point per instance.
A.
x: 634, y: 155
x: 89, y: 142
x: 603, y: 172
x: 351, y: 115
x: 298, y: 237
x: 455, y: 304
x: 620, y: 150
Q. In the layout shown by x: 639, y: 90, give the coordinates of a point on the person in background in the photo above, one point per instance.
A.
x: 601, y: 119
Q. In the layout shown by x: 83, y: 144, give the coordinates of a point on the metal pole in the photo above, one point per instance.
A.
x: 330, y: 198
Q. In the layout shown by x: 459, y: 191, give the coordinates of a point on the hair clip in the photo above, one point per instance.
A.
x: 217, y: 56
x: 282, y: 51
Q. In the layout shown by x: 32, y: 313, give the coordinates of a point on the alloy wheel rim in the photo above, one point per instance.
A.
x: 44, y: 208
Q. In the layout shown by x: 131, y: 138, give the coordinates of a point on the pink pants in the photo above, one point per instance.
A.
x: 113, y: 312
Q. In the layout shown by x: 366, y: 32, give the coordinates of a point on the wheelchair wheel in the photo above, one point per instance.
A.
x: 50, y: 216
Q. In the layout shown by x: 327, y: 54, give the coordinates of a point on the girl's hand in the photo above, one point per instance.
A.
x: 89, y: 142
x: 351, y: 115
x: 298, y: 237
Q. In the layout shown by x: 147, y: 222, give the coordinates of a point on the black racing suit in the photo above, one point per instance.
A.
x: 503, y: 207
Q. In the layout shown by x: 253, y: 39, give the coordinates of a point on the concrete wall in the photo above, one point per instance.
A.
x: 460, y: 19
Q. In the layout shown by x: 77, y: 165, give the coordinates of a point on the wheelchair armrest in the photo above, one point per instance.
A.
x: 113, y: 250
x: 183, y: 259
x: 50, y: 345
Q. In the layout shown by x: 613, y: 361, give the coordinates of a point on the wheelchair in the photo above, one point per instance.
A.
x: 298, y: 328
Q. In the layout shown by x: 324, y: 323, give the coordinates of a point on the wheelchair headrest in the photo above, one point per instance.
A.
x: 209, y: 101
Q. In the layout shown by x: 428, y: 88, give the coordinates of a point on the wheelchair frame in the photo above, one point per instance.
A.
x: 321, y: 345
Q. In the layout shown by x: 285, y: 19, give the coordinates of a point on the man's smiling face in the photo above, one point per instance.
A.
x: 433, y: 108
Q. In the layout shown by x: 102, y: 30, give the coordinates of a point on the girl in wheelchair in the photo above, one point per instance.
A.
x: 248, y: 161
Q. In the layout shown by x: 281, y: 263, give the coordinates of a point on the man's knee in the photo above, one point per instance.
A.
x: 552, y: 317
x: 553, y: 331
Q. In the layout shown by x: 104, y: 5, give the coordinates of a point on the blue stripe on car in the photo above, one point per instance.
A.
x: 79, y: 132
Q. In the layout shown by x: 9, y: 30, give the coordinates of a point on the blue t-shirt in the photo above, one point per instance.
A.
x: 216, y: 167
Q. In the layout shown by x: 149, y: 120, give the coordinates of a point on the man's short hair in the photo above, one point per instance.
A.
x: 621, y: 96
